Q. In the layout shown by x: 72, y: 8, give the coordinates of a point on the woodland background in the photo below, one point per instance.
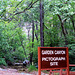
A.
x: 26, y: 25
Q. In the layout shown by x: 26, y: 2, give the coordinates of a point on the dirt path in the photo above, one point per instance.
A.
x: 9, y: 71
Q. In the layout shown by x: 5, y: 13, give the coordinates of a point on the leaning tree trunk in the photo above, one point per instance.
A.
x: 73, y: 23
x: 20, y: 37
x: 42, y: 22
x: 63, y: 29
x: 64, y: 33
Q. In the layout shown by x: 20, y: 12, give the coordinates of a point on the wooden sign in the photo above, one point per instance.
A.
x: 53, y: 58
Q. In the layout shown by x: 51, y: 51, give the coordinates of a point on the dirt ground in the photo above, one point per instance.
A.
x: 10, y: 71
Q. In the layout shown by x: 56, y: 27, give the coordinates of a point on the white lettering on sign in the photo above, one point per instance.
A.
x: 53, y: 58
x: 45, y: 59
x: 59, y: 52
x: 53, y: 63
x: 50, y: 52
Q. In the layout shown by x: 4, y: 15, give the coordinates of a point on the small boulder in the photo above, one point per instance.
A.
x: 26, y: 62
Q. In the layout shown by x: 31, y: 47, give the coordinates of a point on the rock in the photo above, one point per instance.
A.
x: 26, y: 62
x: 3, y: 67
x: 0, y: 69
x: 18, y: 64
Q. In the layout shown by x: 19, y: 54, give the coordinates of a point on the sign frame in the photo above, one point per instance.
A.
x: 40, y: 63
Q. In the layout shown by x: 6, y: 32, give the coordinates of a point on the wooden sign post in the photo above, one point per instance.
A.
x: 52, y: 58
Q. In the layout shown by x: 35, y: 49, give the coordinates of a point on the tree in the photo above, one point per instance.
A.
x: 63, y: 10
x: 42, y: 22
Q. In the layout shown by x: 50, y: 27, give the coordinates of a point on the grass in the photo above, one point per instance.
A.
x: 32, y: 68
x: 45, y: 71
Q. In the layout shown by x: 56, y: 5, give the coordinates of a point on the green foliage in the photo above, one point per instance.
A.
x: 19, y: 54
x: 10, y: 40
x: 65, y: 8
x: 2, y: 62
x: 14, y: 41
x: 9, y: 58
x: 71, y: 53
x: 72, y: 69
x: 32, y: 68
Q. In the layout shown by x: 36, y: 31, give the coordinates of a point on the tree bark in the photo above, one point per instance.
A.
x: 28, y: 35
x: 22, y: 43
x: 31, y: 54
x: 33, y: 33
x: 42, y: 22
x: 36, y: 34
x: 73, y: 23
x: 63, y: 29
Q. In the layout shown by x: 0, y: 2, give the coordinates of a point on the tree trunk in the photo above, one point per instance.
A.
x: 33, y: 33
x: 31, y: 54
x: 36, y: 34
x: 63, y: 29
x: 73, y: 23
x: 22, y: 43
x: 42, y: 22
x: 28, y: 35
x: 64, y: 33
x: 31, y: 57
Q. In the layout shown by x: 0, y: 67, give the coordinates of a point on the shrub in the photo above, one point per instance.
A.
x: 32, y: 68
x: 9, y: 58
x: 2, y: 62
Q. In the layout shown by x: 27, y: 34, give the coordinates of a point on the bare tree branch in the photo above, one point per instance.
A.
x: 59, y: 17
x: 18, y: 4
x: 29, y: 6
x: 64, y: 20
x: 46, y: 27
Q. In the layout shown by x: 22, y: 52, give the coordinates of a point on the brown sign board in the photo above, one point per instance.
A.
x: 53, y: 57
